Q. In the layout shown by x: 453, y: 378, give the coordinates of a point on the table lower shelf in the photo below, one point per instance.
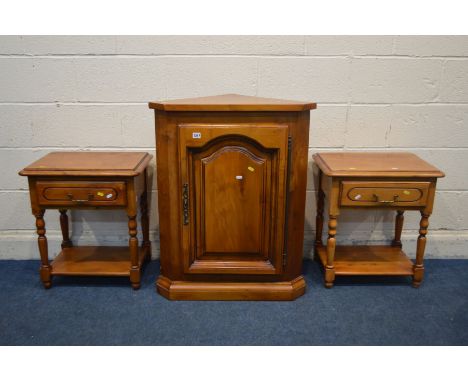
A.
x: 95, y: 261
x: 351, y: 260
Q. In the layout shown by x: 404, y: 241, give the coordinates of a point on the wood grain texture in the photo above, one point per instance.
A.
x: 231, y: 102
x: 227, y: 196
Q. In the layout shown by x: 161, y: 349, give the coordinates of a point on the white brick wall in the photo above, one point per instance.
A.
x: 373, y: 92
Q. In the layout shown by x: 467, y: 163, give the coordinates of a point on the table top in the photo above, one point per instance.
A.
x: 381, y: 164
x: 231, y: 102
x: 88, y: 163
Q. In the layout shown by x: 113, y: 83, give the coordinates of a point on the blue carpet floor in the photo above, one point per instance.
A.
x: 365, y: 311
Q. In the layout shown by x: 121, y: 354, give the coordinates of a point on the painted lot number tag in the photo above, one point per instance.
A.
x: 196, y: 135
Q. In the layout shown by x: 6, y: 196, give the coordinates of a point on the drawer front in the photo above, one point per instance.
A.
x: 378, y: 194
x: 56, y: 193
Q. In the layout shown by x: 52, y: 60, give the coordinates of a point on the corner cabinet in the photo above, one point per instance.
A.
x: 231, y: 173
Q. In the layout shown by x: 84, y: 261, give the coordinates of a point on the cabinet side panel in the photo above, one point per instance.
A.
x: 169, y: 199
x: 299, y: 132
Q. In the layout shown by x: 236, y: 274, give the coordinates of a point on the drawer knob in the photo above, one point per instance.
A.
x: 377, y: 200
x: 90, y: 197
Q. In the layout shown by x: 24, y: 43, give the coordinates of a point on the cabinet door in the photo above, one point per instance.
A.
x: 234, y: 196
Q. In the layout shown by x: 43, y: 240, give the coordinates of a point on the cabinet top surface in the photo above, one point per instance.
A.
x: 375, y: 164
x: 114, y: 163
x: 231, y: 102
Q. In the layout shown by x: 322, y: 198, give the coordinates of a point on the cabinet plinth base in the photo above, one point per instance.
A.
x: 222, y: 291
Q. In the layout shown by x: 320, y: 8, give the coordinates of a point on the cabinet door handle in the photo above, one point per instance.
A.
x: 90, y: 198
x: 185, y: 203
x: 376, y: 199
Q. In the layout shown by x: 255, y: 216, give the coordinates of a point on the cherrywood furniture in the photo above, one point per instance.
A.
x: 399, y: 181
x: 91, y: 180
x: 231, y: 174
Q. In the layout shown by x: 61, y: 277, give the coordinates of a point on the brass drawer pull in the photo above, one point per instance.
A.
x: 90, y: 198
x: 376, y: 199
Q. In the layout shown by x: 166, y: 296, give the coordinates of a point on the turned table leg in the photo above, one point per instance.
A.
x: 319, y: 217
x: 420, y: 248
x: 43, y: 249
x: 331, y: 244
x: 66, y: 242
x: 133, y: 244
x: 398, y: 228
